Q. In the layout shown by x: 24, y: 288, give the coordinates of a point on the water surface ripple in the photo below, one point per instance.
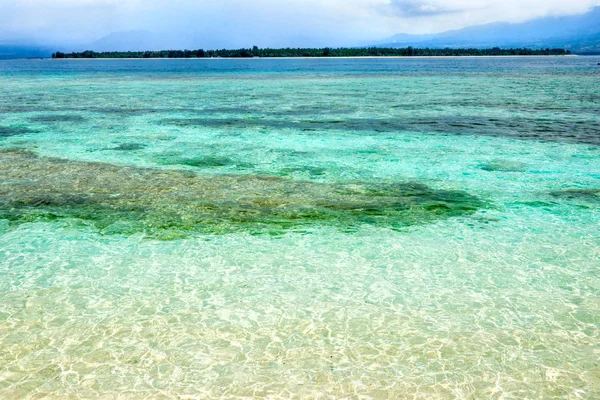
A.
x: 233, y: 229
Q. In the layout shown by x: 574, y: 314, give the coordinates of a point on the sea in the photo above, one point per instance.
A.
x: 419, y: 228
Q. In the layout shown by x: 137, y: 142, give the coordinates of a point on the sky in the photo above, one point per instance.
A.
x: 236, y: 23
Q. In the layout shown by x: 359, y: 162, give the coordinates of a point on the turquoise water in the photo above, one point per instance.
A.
x: 371, y: 228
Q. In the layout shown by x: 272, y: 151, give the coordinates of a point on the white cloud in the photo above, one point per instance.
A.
x: 265, y: 22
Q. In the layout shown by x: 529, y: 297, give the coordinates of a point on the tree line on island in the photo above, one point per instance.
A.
x: 314, y: 52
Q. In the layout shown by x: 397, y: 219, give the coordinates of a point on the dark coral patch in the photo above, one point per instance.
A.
x: 503, y: 166
x: 201, y: 161
x: 206, y: 162
x: 310, y: 170
x: 8, y: 131
x: 198, y: 162
x: 578, y: 195
x: 572, y: 131
x: 54, y: 118
x: 124, y: 112
x: 129, y: 147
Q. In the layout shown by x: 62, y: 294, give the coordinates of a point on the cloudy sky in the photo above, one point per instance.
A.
x: 218, y: 23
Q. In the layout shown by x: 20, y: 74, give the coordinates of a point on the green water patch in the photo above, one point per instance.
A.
x: 552, y: 130
x: 170, y: 204
x: 57, y: 118
x: 8, y: 131
x: 198, y: 161
x: 536, y: 204
x: 503, y: 166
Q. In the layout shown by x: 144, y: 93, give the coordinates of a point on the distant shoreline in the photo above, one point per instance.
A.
x: 326, y: 52
x: 300, y: 58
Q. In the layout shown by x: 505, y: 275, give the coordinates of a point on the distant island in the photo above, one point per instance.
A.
x: 315, y: 52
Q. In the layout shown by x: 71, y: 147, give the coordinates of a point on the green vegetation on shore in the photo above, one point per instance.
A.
x: 313, y: 52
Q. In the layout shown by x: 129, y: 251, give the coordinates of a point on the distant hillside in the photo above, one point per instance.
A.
x: 578, y: 33
x: 8, y: 52
x: 133, y: 41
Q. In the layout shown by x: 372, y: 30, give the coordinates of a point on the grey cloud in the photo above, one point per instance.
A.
x: 275, y: 23
x: 420, y: 8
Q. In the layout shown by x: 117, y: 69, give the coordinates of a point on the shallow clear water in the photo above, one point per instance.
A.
x: 385, y: 228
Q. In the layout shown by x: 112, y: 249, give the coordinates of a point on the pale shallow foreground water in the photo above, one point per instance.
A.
x: 391, y: 228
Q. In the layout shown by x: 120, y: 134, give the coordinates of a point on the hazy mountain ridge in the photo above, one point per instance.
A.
x: 139, y: 41
x: 578, y: 33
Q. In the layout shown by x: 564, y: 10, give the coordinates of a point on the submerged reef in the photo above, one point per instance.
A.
x: 583, y: 197
x: 503, y: 166
x: 8, y: 131
x: 515, y: 128
x: 198, y: 162
x: 52, y: 118
x: 167, y: 204
x: 129, y: 147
